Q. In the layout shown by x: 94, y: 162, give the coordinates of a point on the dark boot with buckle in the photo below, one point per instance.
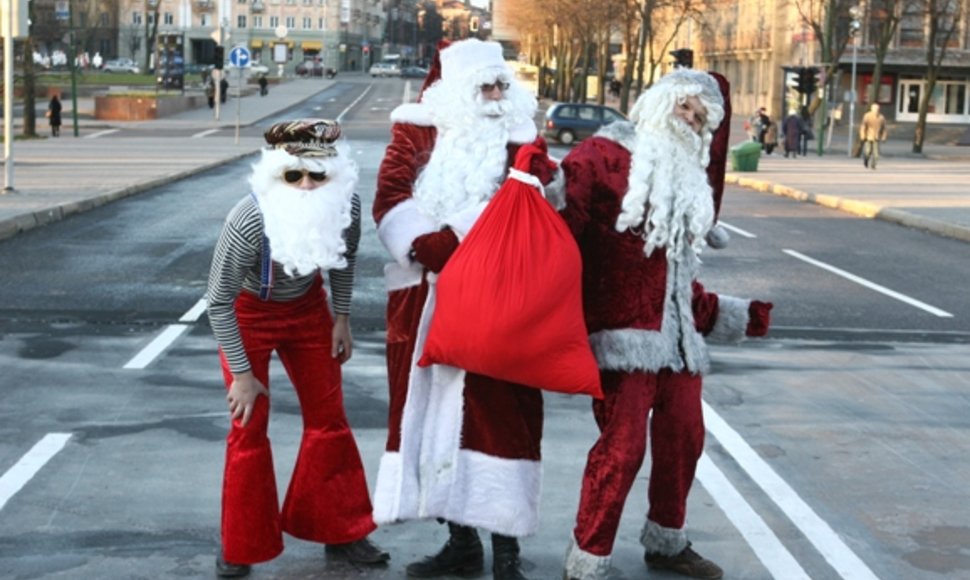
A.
x: 462, y: 555
x: 686, y: 563
x: 505, y: 558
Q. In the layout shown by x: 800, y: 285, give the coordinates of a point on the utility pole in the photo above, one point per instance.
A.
x: 71, y: 55
x: 8, y: 96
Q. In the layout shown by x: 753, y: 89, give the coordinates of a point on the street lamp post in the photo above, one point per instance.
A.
x: 855, y: 12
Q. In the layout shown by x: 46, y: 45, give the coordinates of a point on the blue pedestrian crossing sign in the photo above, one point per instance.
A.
x: 239, y: 57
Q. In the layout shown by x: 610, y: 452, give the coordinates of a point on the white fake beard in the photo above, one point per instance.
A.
x: 669, y: 183
x: 305, y: 227
x: 466, y: 166
x: 470, y: 156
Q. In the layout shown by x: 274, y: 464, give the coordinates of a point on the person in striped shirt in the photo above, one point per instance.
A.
x: 265, y: 293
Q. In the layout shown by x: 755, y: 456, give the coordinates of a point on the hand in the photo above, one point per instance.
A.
x: 759, y: 318
x: 242, y: 395
x: 433, y: 250
x: 534, y: 159
x: 343, y: 343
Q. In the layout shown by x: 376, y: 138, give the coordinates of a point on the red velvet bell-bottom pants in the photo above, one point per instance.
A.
x: 676, y: 443
x: 327, y: 500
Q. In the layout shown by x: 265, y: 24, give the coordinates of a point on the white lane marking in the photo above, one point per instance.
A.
x: 766, y: 545
x: 195, y: 312
x: 155, y: 347
x: 737, y: 230
x: 206, y: 133
x: 406, y: 97
x: 818, y: 532
x: 340, y: 117
x: 24, y: 470
x: 871, y: 285
x: 101, y: 133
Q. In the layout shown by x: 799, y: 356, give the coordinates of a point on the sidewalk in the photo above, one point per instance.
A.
x: 54, y: 178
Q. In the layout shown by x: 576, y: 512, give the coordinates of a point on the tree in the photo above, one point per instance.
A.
x: 30, y: 85
x: 829, y: 20
x: 883, y: 21
x: 942, y: 21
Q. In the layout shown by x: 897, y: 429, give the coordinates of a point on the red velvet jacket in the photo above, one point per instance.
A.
x: 642, y: 313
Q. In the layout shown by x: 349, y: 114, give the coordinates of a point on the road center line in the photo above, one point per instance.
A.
x: 27, y: 467
x: 205, y: 133
x: 818, y: 532
x: 737, y: 230
x: 766, y: 545
x: 340, y: 117
x: 871, y: 285
x: 157, y: 346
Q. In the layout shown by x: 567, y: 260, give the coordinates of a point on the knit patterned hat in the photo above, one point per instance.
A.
x: 305, y: 137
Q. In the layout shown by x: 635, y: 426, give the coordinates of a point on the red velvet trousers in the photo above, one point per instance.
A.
x: 676, y: 443
x: 327, y: 500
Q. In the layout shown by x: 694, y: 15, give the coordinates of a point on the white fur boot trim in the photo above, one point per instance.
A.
x: 660, y: 540
x: 581, y: 565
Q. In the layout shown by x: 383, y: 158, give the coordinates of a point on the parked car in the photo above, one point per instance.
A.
x: 257, y: 68
x: 414, y: 72
x: 571, y: 122
x: 120, y: 65
x: 309, y: 68
x: 384, y: 69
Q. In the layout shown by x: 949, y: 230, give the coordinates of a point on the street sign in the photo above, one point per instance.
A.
x: 239, y: 57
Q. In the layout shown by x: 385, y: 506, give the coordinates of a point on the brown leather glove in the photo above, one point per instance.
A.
x: 759, y: 318
x: 433, y: 250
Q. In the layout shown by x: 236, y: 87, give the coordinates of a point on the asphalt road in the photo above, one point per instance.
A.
x: 837, y: 447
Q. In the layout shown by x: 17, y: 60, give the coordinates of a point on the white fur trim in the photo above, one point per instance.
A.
x: 398, y: 277
x: 466, y: 57
x: 461, y: 222
x: 412, y: 114
x: 660, y: 540
x: 718, y: 237
x: 582, y: 565
x: 629, y: 349
x: 732, y: 319
x: 623, y: 133
x: 523, y: 133
x: 399, y: 228
x: 431, y: 477
x: 556, y: 190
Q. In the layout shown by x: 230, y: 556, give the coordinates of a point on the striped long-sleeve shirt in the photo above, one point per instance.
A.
x: 236, y: 268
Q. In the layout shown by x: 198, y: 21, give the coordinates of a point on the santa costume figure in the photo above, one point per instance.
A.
x: 640, y: 205
x: 461, y: 447
x: 265, y: 294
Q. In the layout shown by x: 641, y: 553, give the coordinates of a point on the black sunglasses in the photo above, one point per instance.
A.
x: 296, y: 175
x: 489, y: 87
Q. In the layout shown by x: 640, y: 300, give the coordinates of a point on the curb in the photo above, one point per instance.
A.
x: 22, y: 223
x: 855, y: 207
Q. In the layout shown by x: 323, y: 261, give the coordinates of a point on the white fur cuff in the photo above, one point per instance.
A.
x: 732, y: 319
x: 581, y: 565
x: 399, y: 228
x: 660, y: 540
x: 461, y: 223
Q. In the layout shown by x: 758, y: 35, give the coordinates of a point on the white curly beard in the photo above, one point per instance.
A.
x: 669, y: 183
x: 305, y: 227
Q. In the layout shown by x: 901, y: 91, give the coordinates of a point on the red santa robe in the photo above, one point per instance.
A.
x: 460, y: 446
x: 644, y: 314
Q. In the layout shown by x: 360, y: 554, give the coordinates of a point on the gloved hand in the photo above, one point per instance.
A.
x: 433, y: 250
x: 759, y: 318
x: 534, y: 159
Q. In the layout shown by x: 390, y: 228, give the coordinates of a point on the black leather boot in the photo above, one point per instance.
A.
x: 505, y: 558
x: 462, y: 555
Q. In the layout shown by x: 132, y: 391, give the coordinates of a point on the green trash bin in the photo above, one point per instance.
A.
x: 744, y: 156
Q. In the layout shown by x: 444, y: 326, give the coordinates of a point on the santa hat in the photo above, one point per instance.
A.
x: 466, y: 57
x: 434, y: 73
x: 719, y: 145
x: 305, y: 137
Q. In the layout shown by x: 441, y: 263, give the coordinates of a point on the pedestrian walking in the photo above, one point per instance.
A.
x: 639, y: 202
x: 223, y: 90
x: 263, y: 84
x: 808, y: 132
x: 871, y: 132
x: 54, y: 115
x: 462, y: 447
x: 265, y: 294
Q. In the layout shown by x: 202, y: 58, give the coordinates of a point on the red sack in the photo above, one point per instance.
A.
x: 509, y: 301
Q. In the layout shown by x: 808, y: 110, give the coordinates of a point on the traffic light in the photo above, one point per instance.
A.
x: 219, y: 57
x: 683, y: 57
x: 807, y: 82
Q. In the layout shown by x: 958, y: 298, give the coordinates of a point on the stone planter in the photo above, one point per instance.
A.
x: 119, y: 107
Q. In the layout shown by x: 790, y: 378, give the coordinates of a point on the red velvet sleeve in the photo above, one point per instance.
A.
x: 408, y: 152
x: 579, y: 169
x: 704, y: 306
